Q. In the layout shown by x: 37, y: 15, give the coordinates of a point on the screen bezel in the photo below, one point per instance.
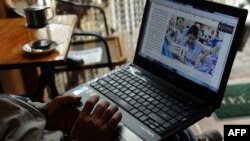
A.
x: 186, y: 84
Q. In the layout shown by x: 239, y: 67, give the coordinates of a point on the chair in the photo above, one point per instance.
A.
x: 109, y: 44
x: 113, y: 52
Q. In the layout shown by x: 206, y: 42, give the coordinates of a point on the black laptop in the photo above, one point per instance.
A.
x: 181, y: 67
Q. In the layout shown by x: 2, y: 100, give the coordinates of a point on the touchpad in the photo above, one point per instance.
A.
x: 122, y: 133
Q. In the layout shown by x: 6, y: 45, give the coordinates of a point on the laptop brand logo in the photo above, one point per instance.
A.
x: 147, y: 131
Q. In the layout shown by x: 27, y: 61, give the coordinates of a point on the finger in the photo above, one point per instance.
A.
x: 115, y: 120
x: 108, y: 113
x: 89, y: 105
x: 63, y: 100
x: 100, y: 108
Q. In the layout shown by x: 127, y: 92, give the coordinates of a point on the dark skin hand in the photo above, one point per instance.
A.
x: 61, y: 114
x: 96, y: 124
x: 90, y: 124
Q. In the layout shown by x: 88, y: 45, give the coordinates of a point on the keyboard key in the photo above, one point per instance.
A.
x: 164, y: 100
x: 165, y: 109
x: 119, y: 101
x: 120, y: 81
x: 102, y: 82
x: 160, y: 105
x: 115, y: 91
x: 185, y: 113
x: 136, y: 84
x: 161, y: 129
x: 124, y: 83
x: 131, y: 94
x: 111, y: 88
x: 177, y: 109
x: 127, y: 92
x: 141, y: 94
x: 152, y: 126
x: 149, y: 92
x: 119, y: 93
x: 141, y: 100
x: 137, y: 105
x: 169, y: 103
x: 132, y: 88
x: 142, y: 108
x: 150, y: 99
x: 134, y: 111
x: 166, y: 125
x: 128, y: 79
x: 105, y: 91
x: 123, y: 89
x: 173, y: 121
x: 156, y: 118
x: 147, y: 111
x: 155, y: 102
x: 146, y: 96
x: 154, y: 94
x: 116, y: 84
x: 145, y: 89
x: 159, y: 97
x: 107, y: 79
x: 111, y: 82
x: 148, y: 85
x: 132, y: 102
x: 155, y: 110
x: 94, y: 84
x: 124, y: 96
x: 138, y: 115
x: 119, y: 86
x: 157, y: 90
x: 136, y: 97
x: 147, y: 122
x: 128, y: 86
x: 150, y: 106
x: 164, y: 115
x: 136, y: 91
x: 172, y: 113
x: 143, y: 118
x: 128, y: 99
x: 97, y: 86
x: 101, y: 89
x: 157, y: 130
x: 132, y: 81
x: 140, y: 86
x: 179, y: 117
x: 155, y: 123
x: 146, y: 103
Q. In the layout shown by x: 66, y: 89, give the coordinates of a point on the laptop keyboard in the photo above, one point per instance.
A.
x: 142, y: 100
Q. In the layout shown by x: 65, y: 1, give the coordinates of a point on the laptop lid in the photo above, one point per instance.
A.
x: 191, y: 44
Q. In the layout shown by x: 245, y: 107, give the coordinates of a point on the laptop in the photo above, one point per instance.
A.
x: 181, y: 67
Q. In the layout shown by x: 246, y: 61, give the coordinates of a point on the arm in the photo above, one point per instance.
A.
x: 202, y: 57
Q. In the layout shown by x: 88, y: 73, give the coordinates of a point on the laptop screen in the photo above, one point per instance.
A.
x: 190, y: 41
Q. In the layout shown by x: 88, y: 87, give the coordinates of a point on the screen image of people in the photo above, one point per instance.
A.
x: 192, y: 43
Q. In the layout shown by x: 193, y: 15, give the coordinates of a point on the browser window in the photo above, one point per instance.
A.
x: 192, y: 42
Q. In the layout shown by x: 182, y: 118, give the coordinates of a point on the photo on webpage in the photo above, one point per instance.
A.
x: 193, y: 44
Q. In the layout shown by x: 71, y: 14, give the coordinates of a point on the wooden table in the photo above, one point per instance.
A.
x: 13, y: 37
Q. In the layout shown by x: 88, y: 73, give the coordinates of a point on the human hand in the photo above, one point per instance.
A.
x: 197, y: 62
x: 97, y: 124
x: 61, y: 114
